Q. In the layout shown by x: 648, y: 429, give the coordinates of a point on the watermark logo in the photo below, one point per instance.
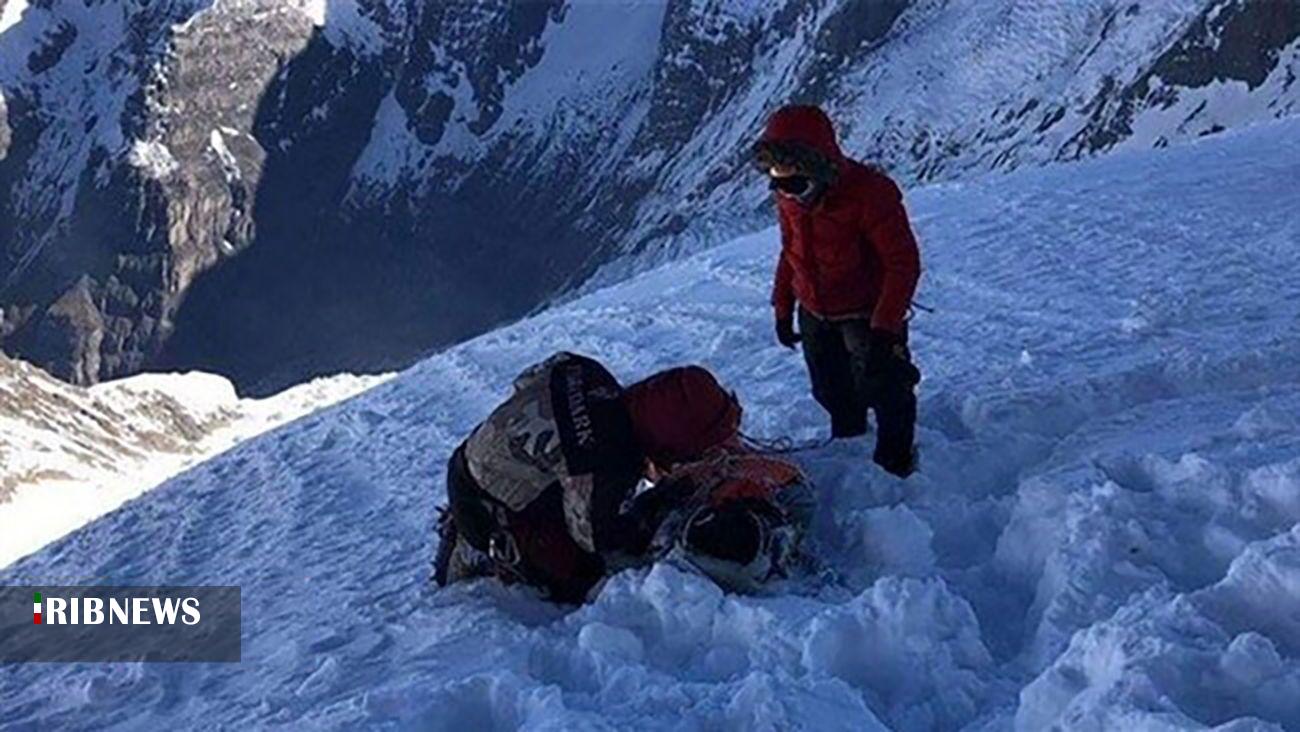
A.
x: 115, y: 623
x: 131, y: 611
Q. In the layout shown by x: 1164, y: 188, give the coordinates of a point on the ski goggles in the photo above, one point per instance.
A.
x: 791, y: 185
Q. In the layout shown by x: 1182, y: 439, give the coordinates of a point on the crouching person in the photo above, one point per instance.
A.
x: 536, y: 492
x: 739, y: 517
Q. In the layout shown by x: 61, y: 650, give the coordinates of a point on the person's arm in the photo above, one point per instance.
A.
x: 890, y: 234
x: 600, y: 464
x: 593, y: 505
x: 783, y: 286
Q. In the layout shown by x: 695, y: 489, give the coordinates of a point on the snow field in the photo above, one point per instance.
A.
x: 1103, y: 535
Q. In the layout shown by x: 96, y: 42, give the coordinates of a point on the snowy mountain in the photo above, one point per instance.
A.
x: 1105, y: 534
x: 70, y: 454
x: 272, y: 189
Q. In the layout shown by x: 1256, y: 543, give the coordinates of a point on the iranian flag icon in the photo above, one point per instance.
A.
x: 36, y: 609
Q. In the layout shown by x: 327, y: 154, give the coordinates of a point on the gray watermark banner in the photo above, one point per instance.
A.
x: 54, y: 623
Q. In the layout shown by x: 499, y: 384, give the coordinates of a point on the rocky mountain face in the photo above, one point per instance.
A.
x: 273, y: 189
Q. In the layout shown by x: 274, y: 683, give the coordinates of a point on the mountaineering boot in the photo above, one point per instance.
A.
x: 456, y: 560
x: 901, y: 464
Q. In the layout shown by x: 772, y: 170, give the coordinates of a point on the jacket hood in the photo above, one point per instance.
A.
x: 805, y: 125
x: 680, y: 414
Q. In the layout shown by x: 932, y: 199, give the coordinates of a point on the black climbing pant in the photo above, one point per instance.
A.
x: 849, y: 378
x: 542, y: 553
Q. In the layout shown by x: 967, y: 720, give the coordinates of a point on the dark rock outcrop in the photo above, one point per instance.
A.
x: 126, y: 233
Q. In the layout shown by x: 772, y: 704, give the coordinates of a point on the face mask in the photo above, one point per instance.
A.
x: 791, y: 185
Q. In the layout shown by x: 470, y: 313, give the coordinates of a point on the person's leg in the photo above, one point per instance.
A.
x: 896, y: 415
x: 831, y: 374
x: 457, y: 561
x: 888, y: 387
x: 856, y: 334
x: 469, y: 506
x: 549, y: 558
x: 462, y: 528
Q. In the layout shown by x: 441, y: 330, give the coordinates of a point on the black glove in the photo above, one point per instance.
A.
x: 889, y: 357
x: 885, y: 345
x: 785, y: 334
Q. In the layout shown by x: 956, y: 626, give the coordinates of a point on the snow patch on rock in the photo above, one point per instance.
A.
x: 152, y: 157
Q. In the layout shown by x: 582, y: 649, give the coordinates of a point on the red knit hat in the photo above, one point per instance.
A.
x: 680, y: 414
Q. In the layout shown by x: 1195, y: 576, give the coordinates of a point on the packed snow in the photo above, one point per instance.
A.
x: 1105, y: 533
x: 70, y: 454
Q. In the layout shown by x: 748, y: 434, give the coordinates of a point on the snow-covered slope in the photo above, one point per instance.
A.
x: 274, y: 189
x: 1104, y: 535
x: 70, y: 454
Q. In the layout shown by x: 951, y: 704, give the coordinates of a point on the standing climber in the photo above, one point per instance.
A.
x: 536, y: 492
x: 850, y: 263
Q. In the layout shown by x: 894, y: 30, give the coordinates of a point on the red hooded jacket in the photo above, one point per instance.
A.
x: 852, y: 253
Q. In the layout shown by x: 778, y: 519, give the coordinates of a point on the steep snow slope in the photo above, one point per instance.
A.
x: 70, y: 454
x: 275, y: 189
x: 1104, y: 535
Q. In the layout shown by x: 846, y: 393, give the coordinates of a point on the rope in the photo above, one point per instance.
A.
x: 782, y: 445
